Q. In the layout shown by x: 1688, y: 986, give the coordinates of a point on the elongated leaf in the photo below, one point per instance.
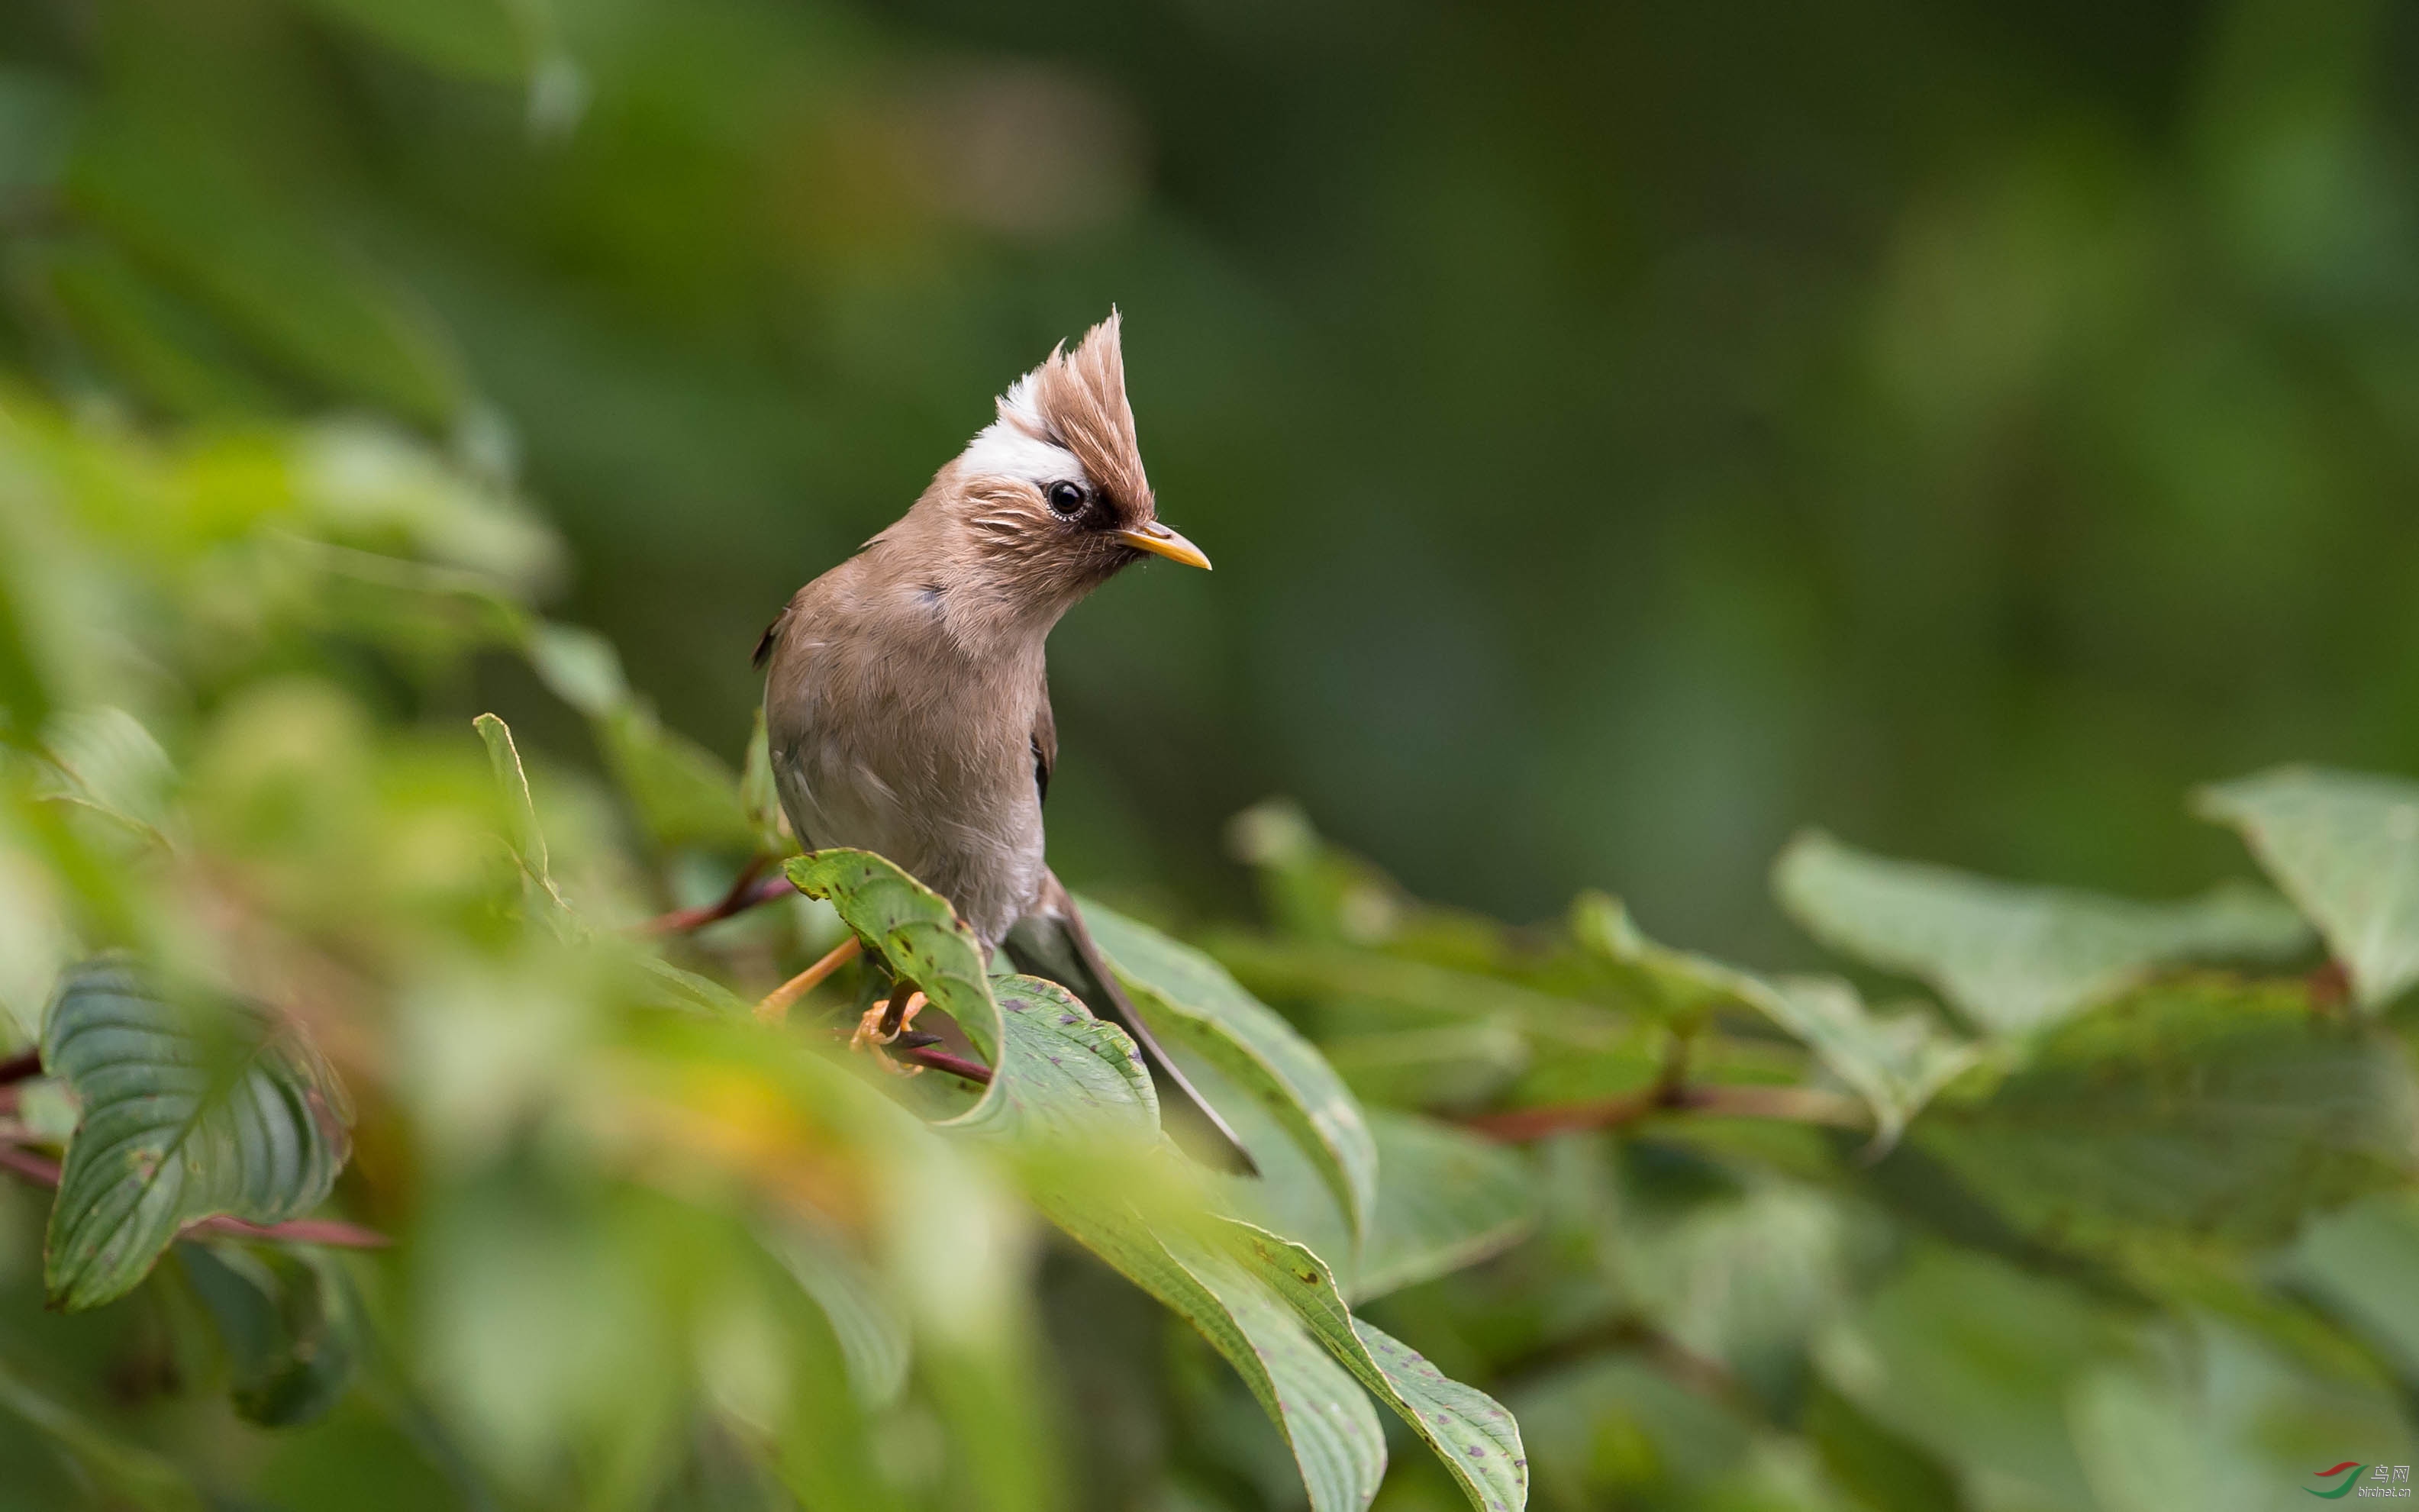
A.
x: 479, y: 39
x: 1470, y: 1430
x: 285, y: 1321
x: 2202, y: 1107
x: 872, y: 1338
x: 1325, y: 1420
x: 189, y: 1110
x: 1973, y: 1360
x: 913, y: 928
x: 1191, y: 998
x: 1895, y: 1064
x: 1445, y: 1199
x: 529, y: 837
x: 1056, y: 1067
x: 2015, y: 959
x: 2345, y: 846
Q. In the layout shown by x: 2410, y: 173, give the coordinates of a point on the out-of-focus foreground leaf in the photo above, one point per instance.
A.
x: 192, y: 1107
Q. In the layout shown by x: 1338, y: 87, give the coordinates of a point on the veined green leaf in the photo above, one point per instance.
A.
x: 913, y: 928
x: 1325, y: 1418
x: 1061, y: 1072
x: 2015, y: 959
x: 2345, y: 845
x: 189, y: 1110
x: 529, y: 837
x: 1470, y: 1430
x: 1445, y: 1199
x: 286, y: 1320
x: 2202, y: 1107
x: 872, y: 1338
x: 1191, y: 998
x: 1895, y: 1064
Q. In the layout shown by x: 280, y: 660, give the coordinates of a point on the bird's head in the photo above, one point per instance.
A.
x: 1050, y: 498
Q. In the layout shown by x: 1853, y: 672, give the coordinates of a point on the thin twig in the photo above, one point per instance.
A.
x: 745, y: 893
x: 21, y: 1068
x: 1796, y: 1105
x: 973, y: 1070
x: 325, y: 1231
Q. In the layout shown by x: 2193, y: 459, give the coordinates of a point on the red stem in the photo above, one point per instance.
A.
x: 21, y: 1068
x: 325, y: 1231
x: 1798, y: 1104
x: 745, y: 893
x: 973, y: 1070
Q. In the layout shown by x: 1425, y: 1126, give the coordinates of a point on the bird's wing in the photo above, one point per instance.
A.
x: 1046, y: 743
x: 1052, y: 941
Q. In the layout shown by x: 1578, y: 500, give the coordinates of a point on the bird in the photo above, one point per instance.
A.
x: 906, y: 695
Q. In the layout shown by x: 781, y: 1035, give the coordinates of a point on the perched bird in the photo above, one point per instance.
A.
x: 906, y: 705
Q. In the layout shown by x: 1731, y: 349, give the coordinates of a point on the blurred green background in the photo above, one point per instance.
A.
x: 1624, y: 433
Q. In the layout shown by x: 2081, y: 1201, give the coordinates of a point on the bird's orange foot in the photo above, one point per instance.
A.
x: 883, y: 1025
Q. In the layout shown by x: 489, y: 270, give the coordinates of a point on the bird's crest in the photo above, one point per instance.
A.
x: 1077, y: 400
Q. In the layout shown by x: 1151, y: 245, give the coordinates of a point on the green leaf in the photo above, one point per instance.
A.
x: 1445, y: 1199
x: 1061, y: 1074
x: 285, y: 1321
x: 1667, y: 983
x: 1190, y: 999
x: 2202, y: 1107
x: 1973, y: 1360
x: 913, y: 928
x: 529, y: 837
x: 2344, y: 847
x: 872, y: 1337
x: 2015, y: 959
x: 110, y: 764
x: 1895, y: 1063
x: 190, y: 1109
x: 1325, y: 1420
x: 1470, y: 1430
x: 196, y: 216
x: 2358, y: 1262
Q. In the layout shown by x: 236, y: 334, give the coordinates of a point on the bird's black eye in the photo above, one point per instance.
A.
x: 1066, y: 498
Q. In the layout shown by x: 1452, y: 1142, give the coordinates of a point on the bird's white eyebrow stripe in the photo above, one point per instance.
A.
x: 1001, y: 450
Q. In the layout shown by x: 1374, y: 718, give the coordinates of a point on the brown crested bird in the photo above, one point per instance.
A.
x: 906, y: 704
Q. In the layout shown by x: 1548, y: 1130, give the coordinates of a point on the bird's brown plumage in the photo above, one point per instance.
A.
x: 906, y: 703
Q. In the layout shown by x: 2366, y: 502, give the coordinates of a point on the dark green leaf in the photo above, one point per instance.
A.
x: 2346, y: 846
x: 2201, y: 1106
x: 1445, y: 1199
x: 190, y: 1108
x: 285, y: 1321
x: 1190, y: 999
x: 1471, y: 1432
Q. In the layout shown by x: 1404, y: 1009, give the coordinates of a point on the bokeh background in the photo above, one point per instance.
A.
x: 1624, y: 433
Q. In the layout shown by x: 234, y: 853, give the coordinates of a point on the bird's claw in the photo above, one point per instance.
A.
x: 874, y: 1032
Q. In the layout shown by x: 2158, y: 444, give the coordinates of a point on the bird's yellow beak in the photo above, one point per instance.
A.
x: 1160, y: 541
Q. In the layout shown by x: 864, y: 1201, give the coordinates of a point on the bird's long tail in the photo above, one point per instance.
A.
x: 1054, y: 942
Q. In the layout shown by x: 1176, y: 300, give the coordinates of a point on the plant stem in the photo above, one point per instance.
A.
x: 745, y: 893
x: 43, y: 1172
x: 1796, y: 1104
x: 21, y: 1068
